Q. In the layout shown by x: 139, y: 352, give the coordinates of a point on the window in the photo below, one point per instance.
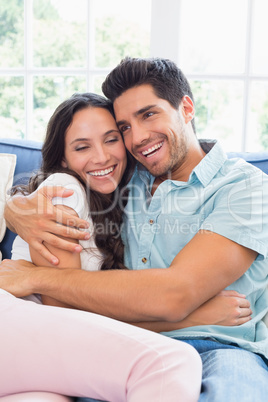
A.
x: 53, y: 48
x: 219, y: 45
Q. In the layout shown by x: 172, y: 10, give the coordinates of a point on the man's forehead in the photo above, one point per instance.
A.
x: 135, y: 99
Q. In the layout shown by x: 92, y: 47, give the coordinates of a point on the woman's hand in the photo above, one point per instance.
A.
x: 228, y: 308
x: 36, y: 220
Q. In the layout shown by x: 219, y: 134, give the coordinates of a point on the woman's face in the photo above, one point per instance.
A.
x: 94, y: 149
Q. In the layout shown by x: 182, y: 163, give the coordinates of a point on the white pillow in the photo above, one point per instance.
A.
x: 7, y: 168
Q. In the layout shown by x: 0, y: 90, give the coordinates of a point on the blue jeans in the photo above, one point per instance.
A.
x: 229, y: 373
x: 87, y: 400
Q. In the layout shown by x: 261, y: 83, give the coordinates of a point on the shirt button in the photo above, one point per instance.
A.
x: 151, y: 221
x: 144, y: 260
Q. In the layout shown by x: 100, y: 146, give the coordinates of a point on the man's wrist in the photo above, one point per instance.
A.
x: 42, y: 280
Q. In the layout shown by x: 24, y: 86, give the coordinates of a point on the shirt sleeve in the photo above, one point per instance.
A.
x: 240, y: 211
x: 20, y: 250
x: 77, y: 201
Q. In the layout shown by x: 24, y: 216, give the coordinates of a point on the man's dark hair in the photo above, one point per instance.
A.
x: 167, y: 80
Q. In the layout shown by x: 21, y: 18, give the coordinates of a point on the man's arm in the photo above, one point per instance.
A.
x: 228, y: 308
x: 46, y: 223
x: 205, y: 266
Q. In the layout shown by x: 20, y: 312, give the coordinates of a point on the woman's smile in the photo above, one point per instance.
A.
x: 103, y: 172
x: 95, y: 150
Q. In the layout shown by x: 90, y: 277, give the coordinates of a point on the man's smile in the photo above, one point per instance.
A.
x: 152, y: 151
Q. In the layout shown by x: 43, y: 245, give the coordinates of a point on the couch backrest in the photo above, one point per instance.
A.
x: 29, y: 159
x: 258, y: 159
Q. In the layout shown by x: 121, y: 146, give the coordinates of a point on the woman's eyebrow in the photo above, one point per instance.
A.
x: 86, y: 139
x: 78, y: 140
x: 111, y: 131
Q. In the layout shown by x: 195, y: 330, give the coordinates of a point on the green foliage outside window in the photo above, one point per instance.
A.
x: 56, y: 43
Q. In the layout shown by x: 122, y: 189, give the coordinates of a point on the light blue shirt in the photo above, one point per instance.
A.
x: 225, y: 196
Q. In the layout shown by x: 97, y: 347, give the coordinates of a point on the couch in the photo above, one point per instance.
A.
x: 28, y: 155
x: 29, y: 158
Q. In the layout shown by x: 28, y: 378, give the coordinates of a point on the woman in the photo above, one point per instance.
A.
x: 85, y: 146
x: 76, y: 353
x: 84, y: 151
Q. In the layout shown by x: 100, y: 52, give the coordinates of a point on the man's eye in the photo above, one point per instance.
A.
x: 123, y: 129
x: 148, y: 114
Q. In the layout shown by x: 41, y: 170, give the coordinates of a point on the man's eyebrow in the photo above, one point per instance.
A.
x: 137, y: 113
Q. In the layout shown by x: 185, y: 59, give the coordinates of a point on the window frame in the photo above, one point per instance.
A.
x: 165, y: 39
x: 169, y: 28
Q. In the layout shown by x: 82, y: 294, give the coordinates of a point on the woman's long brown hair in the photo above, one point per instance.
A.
x: 106, y: 211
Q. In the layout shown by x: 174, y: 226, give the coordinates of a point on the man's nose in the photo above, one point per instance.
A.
x: 140, y: 134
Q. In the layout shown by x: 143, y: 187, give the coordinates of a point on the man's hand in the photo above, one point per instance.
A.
x: 36, y: 220
x: 15, y: 277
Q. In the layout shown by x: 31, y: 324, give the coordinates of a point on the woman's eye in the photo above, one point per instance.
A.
x: 81, y: 148
x: 112, y: 140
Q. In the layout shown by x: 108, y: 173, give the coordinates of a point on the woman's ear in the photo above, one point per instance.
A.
x: 64, y: 163
x: 188, y: 110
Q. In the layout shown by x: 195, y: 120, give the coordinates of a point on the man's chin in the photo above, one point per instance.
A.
x: 157, y: 172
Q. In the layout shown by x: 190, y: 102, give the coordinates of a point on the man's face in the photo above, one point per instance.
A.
x: 154, y: 132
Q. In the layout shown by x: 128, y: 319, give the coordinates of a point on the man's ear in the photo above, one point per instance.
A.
x: 187, y: 107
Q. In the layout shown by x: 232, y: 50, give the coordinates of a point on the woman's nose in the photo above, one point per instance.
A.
x: 100, y: 155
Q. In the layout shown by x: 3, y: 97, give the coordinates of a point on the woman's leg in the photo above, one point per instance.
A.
x: 77, y: 353
x: 35, y: 397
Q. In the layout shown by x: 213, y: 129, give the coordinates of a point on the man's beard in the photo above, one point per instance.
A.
x: 178, y: 150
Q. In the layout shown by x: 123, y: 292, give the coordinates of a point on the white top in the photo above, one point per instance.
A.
x: 91, y: 258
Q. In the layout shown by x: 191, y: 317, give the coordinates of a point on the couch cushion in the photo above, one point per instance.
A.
x: 28, y: 156
x: 28, y: 160
x: 7, y: 167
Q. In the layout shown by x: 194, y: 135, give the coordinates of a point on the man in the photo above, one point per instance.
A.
x: 201, y: 217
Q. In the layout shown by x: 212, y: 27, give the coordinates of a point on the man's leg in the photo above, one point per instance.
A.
x: 76, y: 353
x: 231, y: 374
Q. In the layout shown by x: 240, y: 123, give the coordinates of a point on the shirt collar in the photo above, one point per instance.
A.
x: 209, y: 166
x: 204, y: 171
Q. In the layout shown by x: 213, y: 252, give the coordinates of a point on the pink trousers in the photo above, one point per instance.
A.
x: 75, y: 353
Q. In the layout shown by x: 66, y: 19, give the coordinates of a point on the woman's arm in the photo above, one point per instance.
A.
x: 228, y: 308
x: 67, y: 259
